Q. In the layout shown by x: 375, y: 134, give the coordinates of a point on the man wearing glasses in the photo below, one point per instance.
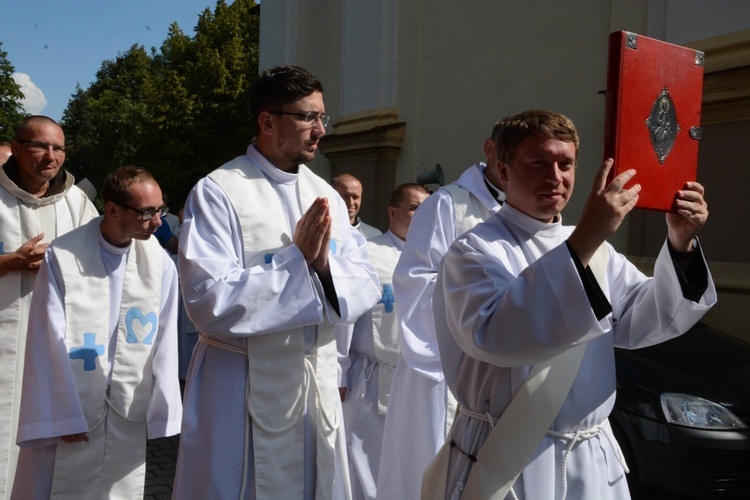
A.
x: 269, y: 263
x: 103, y: 327
x: 38, y: 202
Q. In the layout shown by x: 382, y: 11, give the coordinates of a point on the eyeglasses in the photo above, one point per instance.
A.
x: 309, y: 117
x: 149, y: 214
x: 43, y: 147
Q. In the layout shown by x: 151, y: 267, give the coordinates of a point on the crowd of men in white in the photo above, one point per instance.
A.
x: 466, y: 352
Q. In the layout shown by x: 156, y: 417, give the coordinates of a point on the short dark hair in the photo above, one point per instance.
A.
x: 278, y: 86
x: 117, y: 184
x: 23, y: 127
x: 399, y: 194
x: 514, y: 130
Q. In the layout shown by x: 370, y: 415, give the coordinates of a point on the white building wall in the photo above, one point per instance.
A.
x: 451, y: 69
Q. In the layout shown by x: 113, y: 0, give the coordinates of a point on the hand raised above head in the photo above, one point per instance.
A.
x: 692, y: 213
x: 604, y: 211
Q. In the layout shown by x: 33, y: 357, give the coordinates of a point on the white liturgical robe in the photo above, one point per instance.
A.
x: 22, y: 217
x: 374, y: 352
x: 121, y: 387
x: 508, y: 296
x: 240, y: 298
x: 420, y: 406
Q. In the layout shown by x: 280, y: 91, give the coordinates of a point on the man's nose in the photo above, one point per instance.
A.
x: 555, y: 173
x: 319, y: 128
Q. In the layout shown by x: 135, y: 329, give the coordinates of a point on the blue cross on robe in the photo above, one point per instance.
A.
x: 388, y: 299
x: 89, y: 352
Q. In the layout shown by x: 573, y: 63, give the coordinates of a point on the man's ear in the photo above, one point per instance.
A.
x: 111, y: 210
x: 502, y: 169
x: 489, y: 148
x: 391, y: 213
x: 265, y: 122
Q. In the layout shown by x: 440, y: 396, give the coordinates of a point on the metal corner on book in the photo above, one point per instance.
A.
x: 631, y: 40
x: 700, y: 58
x: 662, y: 125
x: 696, y: 133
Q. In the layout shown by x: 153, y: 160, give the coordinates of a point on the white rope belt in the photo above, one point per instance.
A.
x: 570, y: 438
x: 221, y: 344
x: 484, y: 417
x: 368, y: 368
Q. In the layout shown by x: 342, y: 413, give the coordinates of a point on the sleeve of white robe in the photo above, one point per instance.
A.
x: 343, y: 334
x: 523, y: 319
x: 223, y: 298
x: 652, y: 311
x: 48, y: 410
x: 431, y: 232
x: 354, y: 278
x: 164, y: 414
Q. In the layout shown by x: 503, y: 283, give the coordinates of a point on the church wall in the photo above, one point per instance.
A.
x: 446, y: 71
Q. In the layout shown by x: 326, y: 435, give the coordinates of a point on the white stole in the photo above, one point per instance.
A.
x: 112, y: 464
x: 384, y: 321
x: 280, y: 374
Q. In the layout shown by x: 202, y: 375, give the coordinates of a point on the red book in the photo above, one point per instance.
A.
x: 653, y: 110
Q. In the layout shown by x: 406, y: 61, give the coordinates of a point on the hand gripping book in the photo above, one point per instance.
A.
x: 652, y: 120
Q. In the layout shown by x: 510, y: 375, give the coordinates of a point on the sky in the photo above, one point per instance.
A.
x: 56, y: 44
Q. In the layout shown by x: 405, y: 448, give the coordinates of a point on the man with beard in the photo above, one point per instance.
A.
x: 269, y: 263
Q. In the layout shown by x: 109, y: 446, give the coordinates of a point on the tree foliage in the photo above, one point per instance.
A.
x: 180, y: 111
x: 11, y: 111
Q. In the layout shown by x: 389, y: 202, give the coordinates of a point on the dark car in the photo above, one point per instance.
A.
x: 682, y: 416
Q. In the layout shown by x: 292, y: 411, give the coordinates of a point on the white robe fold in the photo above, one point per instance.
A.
x: 216, y: 447
x: 371, y: 371
x: 22, y: 217
x: 366, y: 230
x: 49, y: 411
x: 420, y: 407
x: 509, y: 296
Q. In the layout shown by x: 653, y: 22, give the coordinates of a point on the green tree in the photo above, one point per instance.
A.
x: 105, y: 124
x: 180, y: 111
x: 11, y: 111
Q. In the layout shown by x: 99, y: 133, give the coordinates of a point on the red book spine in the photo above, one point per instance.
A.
x: 612, y: 96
